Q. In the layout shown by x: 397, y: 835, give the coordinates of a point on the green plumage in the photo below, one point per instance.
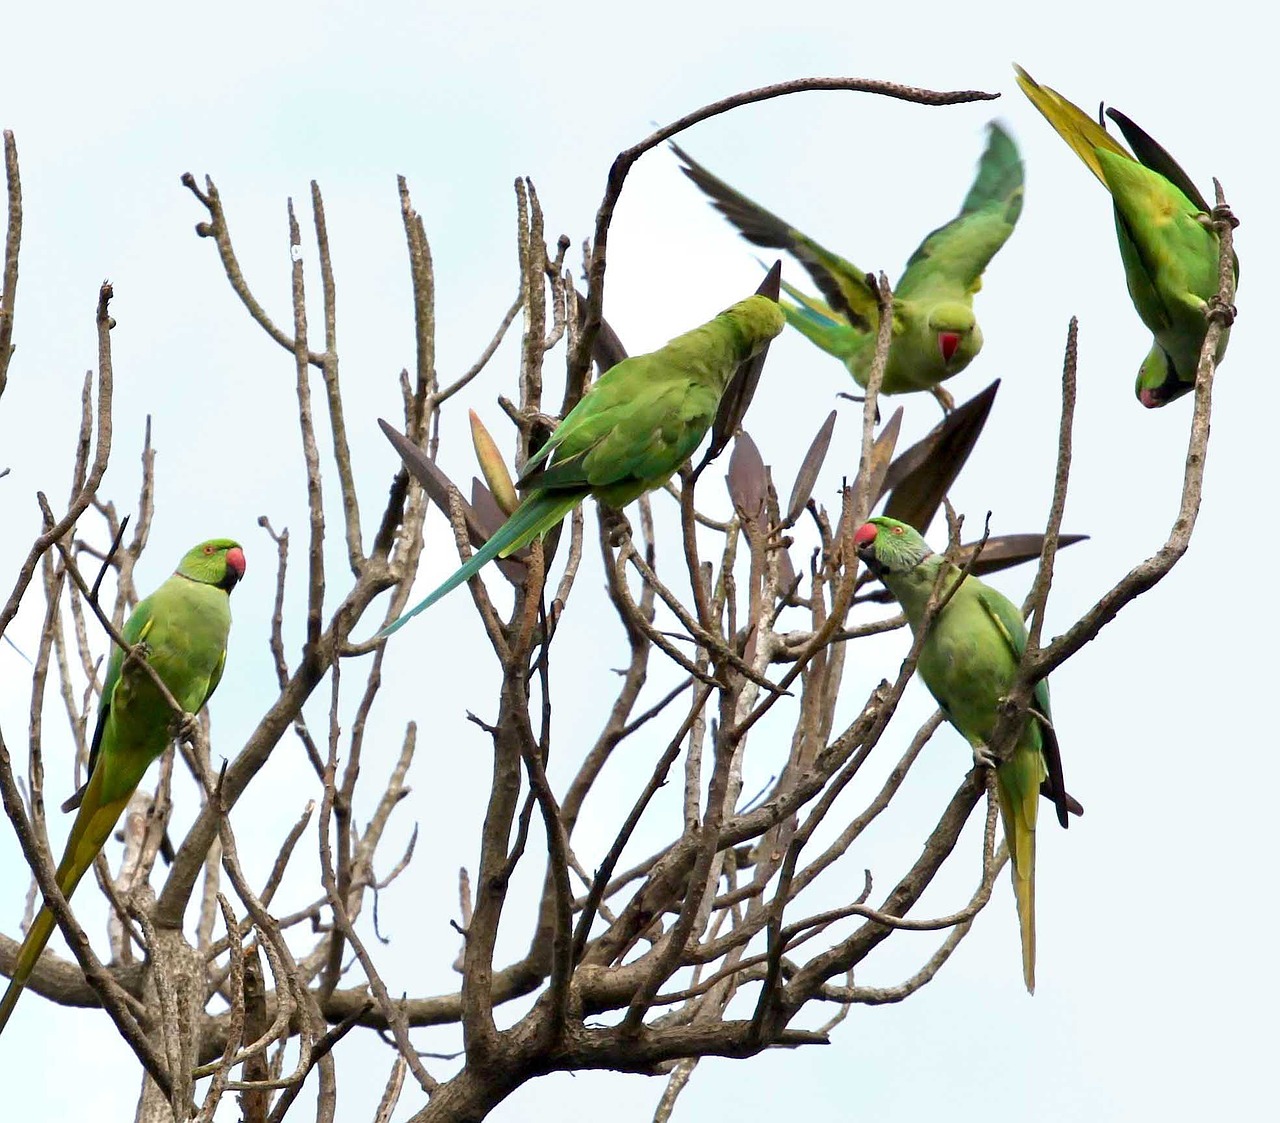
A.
x: 184, y: 625
x: 969, y: 661
x: 1169, y: 250
x: 935, y: 334
x: 629, y: 433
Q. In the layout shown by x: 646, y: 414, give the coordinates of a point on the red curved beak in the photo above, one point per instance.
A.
x: 235, y: 561
x: 948, y: 341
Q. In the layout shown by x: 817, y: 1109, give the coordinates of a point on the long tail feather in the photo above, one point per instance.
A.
x: 1076, y: 127
x: 809, y: 305
x: 1024, y: 889
x: 37, y: 936
x: 834, y: 338
x: 817, y: 323
x: 535, y: 516
x: 1018, y: 786
x: 90, y: 831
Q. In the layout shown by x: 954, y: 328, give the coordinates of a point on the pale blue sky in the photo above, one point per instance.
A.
x: 1157, y: 911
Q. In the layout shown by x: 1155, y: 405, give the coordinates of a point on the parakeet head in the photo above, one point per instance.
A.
x: 957, y: 332
x: 888, y: 546
x: 220, y: 562
x: 1158, y: 382
x: 758, y: 319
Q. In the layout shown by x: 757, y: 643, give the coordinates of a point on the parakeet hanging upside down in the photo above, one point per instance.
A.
x: 1167, y: 243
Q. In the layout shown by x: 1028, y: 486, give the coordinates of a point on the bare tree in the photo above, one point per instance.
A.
x: 636, y: 961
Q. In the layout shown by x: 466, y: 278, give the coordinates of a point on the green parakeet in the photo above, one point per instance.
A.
x: 969, y: 661
x: 629, y: 433
x: 935, y: 334
x: 183, y: 626
x: 1167, y: 244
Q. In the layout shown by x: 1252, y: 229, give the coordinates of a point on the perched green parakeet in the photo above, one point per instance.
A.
x: 969, y: 661
x: 935, y: 334
x: 183, y: 626
x: 1167, y: 243
x: 629, y: 433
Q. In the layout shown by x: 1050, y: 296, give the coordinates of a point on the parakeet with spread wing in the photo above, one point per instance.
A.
x: 969, y: 661
x: 935, y: 334
x: 182, y: 631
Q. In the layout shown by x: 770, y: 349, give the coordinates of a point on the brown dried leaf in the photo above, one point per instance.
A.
x: 1002, y: 551
x: 607, y: 350
x: 882, y: 455
x: 748, y: 483
x: 742, y: 386
x: 786, y: 572
x: 921, y: 476
x: 434, y: 482
x: 491, y: 518
x: 1008, y: 550
x: 809, y: 469
x: 493, y: 466
x: 771, y: 286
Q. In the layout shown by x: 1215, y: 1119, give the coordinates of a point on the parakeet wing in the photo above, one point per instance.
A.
x: 1010, y: 624
x: 950, y: 261
x: 842, y: 283
x: 134, y: 631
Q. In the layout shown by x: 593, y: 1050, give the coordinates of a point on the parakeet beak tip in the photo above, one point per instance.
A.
x: 235, y: 562
x: 1149, y: 398
x: 948, y: 341
x: 864, y: 535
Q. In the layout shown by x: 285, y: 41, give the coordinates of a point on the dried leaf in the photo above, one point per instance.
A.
x: 882, y: 455
x: 434, y: 482
x: 786, y: 572
x: 493, y: 466
x: 607, y: 349
x: 1008, y: 550
x: 921, y: 476
x: 748, y: 484
x: 491, y: 517
x: 771, y: 286
x: 742, y: 386
x: 809, y: 469
x: 1002, y: 551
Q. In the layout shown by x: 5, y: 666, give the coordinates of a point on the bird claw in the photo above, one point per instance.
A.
x: 139, y: 653
x: 1224, y: 214
x: 945, y: 400
x: 617, y: 527
x: 983, y: 757
x: 186, y: 727
x: 1217, y: 309
x: 859, y: 398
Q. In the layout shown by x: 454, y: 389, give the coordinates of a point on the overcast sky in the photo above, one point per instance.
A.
x: 1157, y: 912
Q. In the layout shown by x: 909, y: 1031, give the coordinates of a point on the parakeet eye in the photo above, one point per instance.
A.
x: 897, y: 530
x: 210, y: 548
